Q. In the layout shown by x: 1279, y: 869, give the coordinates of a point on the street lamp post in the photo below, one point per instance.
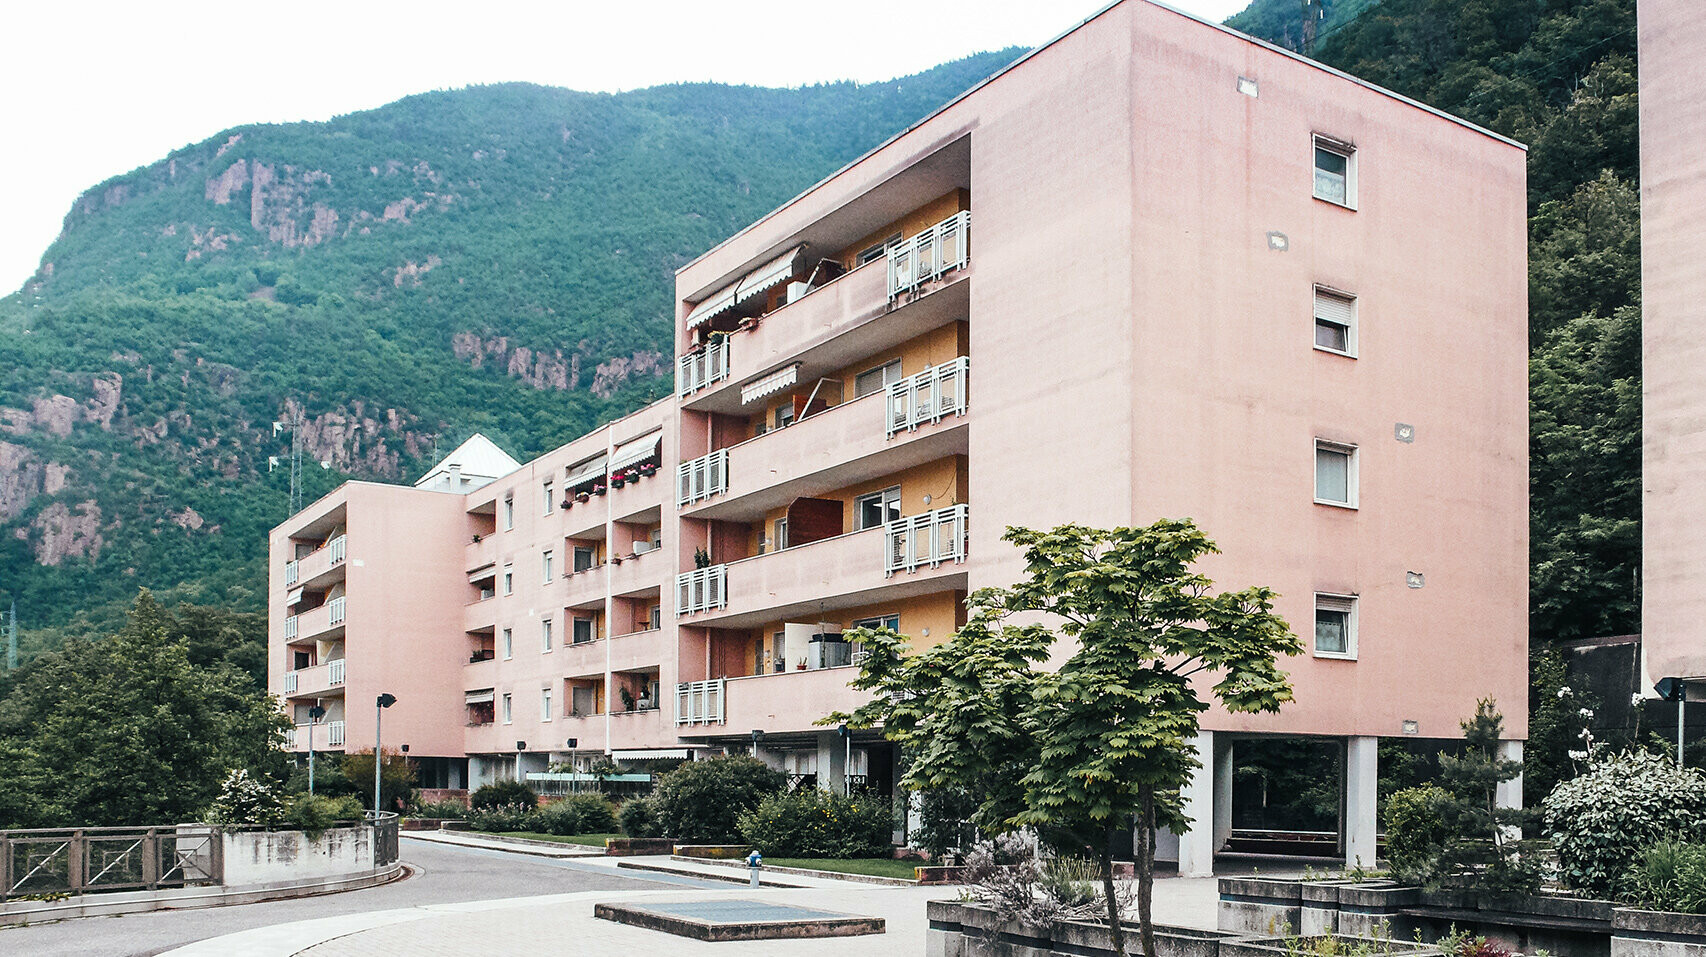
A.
x: 315, y: 713
x: 384, y: 701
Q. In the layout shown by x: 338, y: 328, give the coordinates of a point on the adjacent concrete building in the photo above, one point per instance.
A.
x: 1672, y: 36
x: 1209, y: 279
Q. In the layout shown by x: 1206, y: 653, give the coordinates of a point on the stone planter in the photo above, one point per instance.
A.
x: 1647, y: 933
x: 971, y: 930
x: 1282, y: 946
x: 636, y: 846
x: 715, y: 852
x: 1254, y: 905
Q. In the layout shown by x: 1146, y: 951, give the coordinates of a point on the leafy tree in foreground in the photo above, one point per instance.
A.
x: 1080, y: 753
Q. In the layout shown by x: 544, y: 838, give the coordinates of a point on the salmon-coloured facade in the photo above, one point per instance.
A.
x: 1155, y: 268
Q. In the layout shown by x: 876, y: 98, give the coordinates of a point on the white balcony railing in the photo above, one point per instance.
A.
x: 290, y: 682
x: 928, y: 396
x: 335, y: 672
x: 931, y: 254
x: 335, y: 611
x: 930, y: 539
x: 701, y: 589
x: 702, y: 367
x: 702, y: 478
x: 290, y: 628
x: 335, y: 734
x: 700, y: 702
x: 337, y: 545
x: 292, y: 572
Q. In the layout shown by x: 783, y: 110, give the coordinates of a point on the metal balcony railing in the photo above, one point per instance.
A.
x: 290, y: 678
x: 335, y: 611
x: 335, y: 672
x: 337, y: 545
x: 290, y: 628
x: 925, y: 540
x: 701, y: 367
x: 701, y: 589
x: 929, y: 255
x: 700, y: 702
x: 292, y: 572
x: 702, y: 478
x: 928, y: 396
x: 335, y: 734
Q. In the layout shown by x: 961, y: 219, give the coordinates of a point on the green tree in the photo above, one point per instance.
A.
x: 1108, y: 739
x: 704, y: 800
x: 129, y: 731
x: 1482, y: 849
x: 396, y: 777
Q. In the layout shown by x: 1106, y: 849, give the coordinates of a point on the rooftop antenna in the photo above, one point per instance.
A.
x: 295, y: 427
x: 12, y: 641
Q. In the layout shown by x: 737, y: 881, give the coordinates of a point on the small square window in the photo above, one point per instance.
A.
x: 545, y: 635
x: 877, y: 508
x: 1335, y: 172
x: 583, y: 631
x: 1335, y: 474
x: 509, y: 709
x: 1335, y: 322
x: 583, y: 557
x: 1335, y: 626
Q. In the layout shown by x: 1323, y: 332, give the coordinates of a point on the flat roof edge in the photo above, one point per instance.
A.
x: 1460, y: 121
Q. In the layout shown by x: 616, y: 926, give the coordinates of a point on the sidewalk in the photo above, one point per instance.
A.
x: 492, y: 842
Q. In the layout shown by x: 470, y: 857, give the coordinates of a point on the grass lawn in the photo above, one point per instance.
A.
x: 870, y: 866
x: 591, y: 840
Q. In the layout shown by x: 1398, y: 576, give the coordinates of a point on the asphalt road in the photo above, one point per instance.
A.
x: 442, y: 874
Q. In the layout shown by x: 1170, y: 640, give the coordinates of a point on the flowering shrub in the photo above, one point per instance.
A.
x: 246, y: 801
x: 1622, y: 805
x: 501, y: 793
x: 814, y: 823
x: 504, y: 817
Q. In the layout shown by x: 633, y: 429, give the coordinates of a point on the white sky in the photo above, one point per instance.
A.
x: 93, y: 88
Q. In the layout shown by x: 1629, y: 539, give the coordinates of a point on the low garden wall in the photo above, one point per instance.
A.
x: 958, y: 929
x: 1569, y: 926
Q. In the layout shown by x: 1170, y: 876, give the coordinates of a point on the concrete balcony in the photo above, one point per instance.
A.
x: 849, y: 570
x: 481, y: 554
x: 327, y: 736
x: 640, y: 650
x: 641, y: 728
x: 833, y: 326
x: 480, y: 615
x: 325, y: 565
x: 326, y: 621
x: 791, y: 701
x: 640, y: 573
x: 316, y: 682
x: 839, y: 447
x: 638, y: 498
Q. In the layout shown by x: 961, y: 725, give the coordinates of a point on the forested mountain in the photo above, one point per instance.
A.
x: 497, y: 259
x: 1558, y: 75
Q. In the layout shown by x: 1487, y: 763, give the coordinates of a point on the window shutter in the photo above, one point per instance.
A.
x: 1339, y: 310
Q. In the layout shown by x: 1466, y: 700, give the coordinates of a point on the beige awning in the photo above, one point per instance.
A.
x: 778, y: 270
x: 722, y: 301
x: 771, y: 384
x: 636, y: 451
x: 585, y: 472
x: 293, y: 597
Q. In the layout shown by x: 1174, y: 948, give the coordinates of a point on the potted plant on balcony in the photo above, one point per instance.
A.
x: 649, y: 469
x: 619, y: 479
x: 582, y: 497
x: 627, y: 699
x: 476, y: 538
x: 598, y: 489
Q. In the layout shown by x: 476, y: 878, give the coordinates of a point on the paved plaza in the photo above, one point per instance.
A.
x: 467, y: 899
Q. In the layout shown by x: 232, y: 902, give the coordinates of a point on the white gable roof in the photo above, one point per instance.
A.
x: 470, y: 465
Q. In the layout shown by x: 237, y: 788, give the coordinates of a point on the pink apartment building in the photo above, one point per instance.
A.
x: 1209, y: 279
x: 1673, y: 321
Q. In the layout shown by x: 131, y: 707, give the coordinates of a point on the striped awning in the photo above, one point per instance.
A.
x: 585, y: 472
x: 764, y: 277
x: 771, y: 384
x: 479, y: 697
x: 636, y: 451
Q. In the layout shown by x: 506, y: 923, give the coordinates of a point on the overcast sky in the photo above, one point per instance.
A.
x: 91, y: 89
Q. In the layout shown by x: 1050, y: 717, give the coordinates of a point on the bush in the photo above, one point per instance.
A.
x: 245, y: 801
x: 1415, y: 831
x: 503, y: 793
x: 704, y: 800
x: 639, y: 818
x: 397, y: 777
x: 1605, y: 818
x: 1670, y: 876
x: 314, y: 813
x: 814, y: 823
x: 504, y: 817
x: 944, y: 821
x: 578, y: 814
x: 441, y: 810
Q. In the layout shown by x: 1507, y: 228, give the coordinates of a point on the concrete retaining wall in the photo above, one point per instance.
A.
x: 264, y: 857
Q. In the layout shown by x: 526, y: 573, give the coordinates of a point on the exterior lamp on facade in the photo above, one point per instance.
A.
x: 380, y: 704
x: 757, y: 736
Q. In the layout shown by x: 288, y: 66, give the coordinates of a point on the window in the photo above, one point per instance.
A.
x: 1335, y: 626
x: 545, y: 635
x: 583, y: 557
x: 545, y: 704
x: 784, y: 415
x: 876, y: 380
x: 550, y: 500
x: 1335, y: 172
x: 509, y: 512
x: 655, y: 618
x: 509, y: 710
x: 877, y: 508
x: 509, y: 579
x: 1335, y: 474
x: 509, y: 644
x: 582, y: 631
x: 781, y: 535
x: 1335, y: 322
x: 876, y: 252
x: 549, y: 563
x: 891, y: 622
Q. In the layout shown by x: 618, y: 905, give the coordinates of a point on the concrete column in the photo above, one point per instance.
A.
x: 1509, y: 794
x: 1196, y: 845
x: 1362, y: 769
x: 832, y: 762
x: 1222, y: 791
